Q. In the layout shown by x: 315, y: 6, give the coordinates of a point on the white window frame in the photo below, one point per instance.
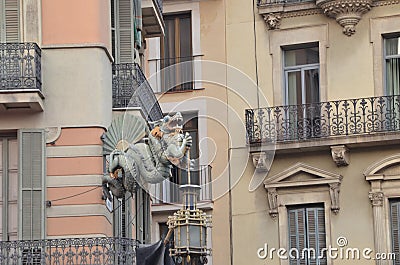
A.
x: 278, y: 39
x: 379, y: 27
x: 385, y: 57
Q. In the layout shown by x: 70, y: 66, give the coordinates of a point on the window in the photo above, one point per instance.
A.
x: 9, y: 192
x: 301, y: 72
x: 307, y: 234
x: 142, y: 216
x: 9, y: 21
x: 301, y: 69
x: 21, y: 179
x: 31, y: 183
x: 176, y: 51
x: 123, y: 217
x: 392, y: 65
x: 395, y: 227
x: 125, y: 30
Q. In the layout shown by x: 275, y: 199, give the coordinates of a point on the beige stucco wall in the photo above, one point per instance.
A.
x: 349, y: 69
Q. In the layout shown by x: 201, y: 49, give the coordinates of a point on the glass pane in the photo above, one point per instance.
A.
x: 293, y: 89
x: 301, y: 56
x: 185, y: 37
x: 392, y: 46
x: 169, y: 39
x: 393, y: 76
x: 311, y: 83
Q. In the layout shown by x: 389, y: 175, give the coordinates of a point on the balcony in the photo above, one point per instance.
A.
x: 332, y: 122
x: 168, y: 192
x: 20, y: 77
x: 131, y: 89
x: 153, y: 22
x: 69, y: 251
x: 178, y: 74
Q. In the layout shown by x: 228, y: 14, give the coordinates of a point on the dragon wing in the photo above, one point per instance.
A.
x: 123, y: 131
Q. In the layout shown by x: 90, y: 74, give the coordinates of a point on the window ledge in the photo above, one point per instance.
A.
x: 22, y: 100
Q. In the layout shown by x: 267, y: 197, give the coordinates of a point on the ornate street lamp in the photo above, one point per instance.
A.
x: 190, y: 226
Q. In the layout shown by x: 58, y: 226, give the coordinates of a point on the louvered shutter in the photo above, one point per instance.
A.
x: 31, y: 183
x: 316, y: 234
x: 307, y: 230
x: 297, y: 236
x: 9, y: 20
x: 125, y: 31
x: 394, y: 219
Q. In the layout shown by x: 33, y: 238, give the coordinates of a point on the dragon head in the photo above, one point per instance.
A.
x: 171, y: 124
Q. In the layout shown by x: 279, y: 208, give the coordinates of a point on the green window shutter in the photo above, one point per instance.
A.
x: 31, y: 183
x: 394, y: 220
x: 9, y: 20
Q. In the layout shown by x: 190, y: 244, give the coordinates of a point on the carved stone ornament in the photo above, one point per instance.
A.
x: 376, y: 198
x: 273, y: 202
x: 260, y: 161
x: 340, y: 155
x: 273, y: 21
x: 334, y: 190
x: 346, y: 12
x: 52, y: 134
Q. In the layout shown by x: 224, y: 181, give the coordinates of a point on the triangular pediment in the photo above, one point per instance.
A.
x: 302, y: 174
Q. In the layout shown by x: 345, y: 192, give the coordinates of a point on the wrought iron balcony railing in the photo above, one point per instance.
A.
x: 168, y: 192
x: 69, y: 251
x: 131, y: 89
x: 20, y: 66
x: 159, y: 6
x: 176, y: 74
x: 325, y: 119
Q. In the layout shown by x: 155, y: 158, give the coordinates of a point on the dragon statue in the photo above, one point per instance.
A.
x: 138, y: 155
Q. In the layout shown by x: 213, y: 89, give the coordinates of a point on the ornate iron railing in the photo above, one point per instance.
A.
x: 177, y: 74
x: 325, y: 119
x: 20, y: 66
x: 70, y: 251
x: 168, y: 192
x: 131, y: 89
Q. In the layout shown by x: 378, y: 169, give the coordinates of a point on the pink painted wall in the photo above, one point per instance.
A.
x: 76, y: 22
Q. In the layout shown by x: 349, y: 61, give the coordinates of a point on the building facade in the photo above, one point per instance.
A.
x: 304, y: 117
x: 67, y: 69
